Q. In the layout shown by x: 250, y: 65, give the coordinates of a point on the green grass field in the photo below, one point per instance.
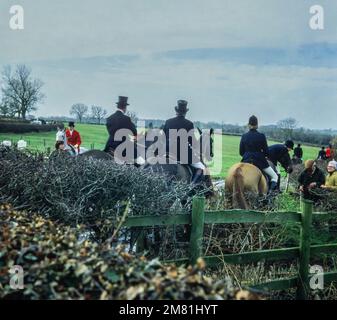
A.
x: 96, y: 136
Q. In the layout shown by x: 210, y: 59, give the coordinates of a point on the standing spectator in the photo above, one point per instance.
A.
x: 331, y: 178
x: 60, y: 134
x: 329, y: 153
x: 73, y: 137
x: 298, y: 152
x: 311, y: 178
x: 322, y: 154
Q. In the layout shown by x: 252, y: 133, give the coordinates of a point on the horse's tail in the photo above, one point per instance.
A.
x: 262, y: 185
x: 239, y: 200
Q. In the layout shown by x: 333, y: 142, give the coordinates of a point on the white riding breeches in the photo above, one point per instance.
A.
x: 271, y: 173
x: 198, y: 165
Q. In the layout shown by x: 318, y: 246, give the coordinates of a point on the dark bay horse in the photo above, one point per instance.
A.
x: 159, y: 163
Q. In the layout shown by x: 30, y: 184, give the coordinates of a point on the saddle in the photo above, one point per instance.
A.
x: 264, y: 174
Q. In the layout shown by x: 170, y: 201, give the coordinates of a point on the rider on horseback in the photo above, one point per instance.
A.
x: 116, y: 123
x: 73, y: 138
x: 254, y: 150
x: 175, y: 143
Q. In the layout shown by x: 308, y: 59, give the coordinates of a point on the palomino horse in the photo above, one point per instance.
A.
x: 243, y: 178
x: 246, y: 178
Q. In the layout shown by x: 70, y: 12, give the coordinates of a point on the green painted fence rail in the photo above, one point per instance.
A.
x: 317, y: 251
x: 222, y: 217
x: 199, y: 217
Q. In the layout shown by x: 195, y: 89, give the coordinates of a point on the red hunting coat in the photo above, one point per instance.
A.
x: 73, y: 138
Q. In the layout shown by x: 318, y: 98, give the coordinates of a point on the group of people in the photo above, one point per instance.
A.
x: 313, y: 179
x: 326, y: 153
x: 122, y: 131
x: 119, y: 124
x: 253, y: 149
x: 68, y: 139
x: 253, y: 145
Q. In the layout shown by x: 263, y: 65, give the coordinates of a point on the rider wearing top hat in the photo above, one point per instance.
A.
x: 254, y: 150
x: 119, y: 121
x: 73, y: 137
x: 181, y: 141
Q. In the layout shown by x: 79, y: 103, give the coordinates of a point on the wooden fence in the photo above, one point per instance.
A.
x: 303, y: 253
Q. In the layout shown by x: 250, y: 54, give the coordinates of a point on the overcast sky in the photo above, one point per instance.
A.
x: 228, y: 58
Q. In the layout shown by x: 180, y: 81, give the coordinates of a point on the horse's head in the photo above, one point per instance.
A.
x: 205, y: 143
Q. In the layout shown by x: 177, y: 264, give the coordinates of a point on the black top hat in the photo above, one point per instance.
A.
x: 253, y: 121
x: 122, y: 101
x: 71, y: 124
x: 181, y: 106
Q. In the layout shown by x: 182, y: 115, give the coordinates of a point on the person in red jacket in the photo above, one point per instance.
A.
x: 329, y: 153
x: 73, y: 137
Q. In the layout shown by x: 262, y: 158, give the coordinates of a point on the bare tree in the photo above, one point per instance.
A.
x: 98, y: 113
x: 20, y: 92
x: 287, y: 125
x: 133, y: 116
x: 79, y: 110
x: 4, y: 109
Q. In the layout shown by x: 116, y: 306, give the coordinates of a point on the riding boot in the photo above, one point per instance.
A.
x: 278, y: 182
x: 273, y: 187
x: 197, y: 176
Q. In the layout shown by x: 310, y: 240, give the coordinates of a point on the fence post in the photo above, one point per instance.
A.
x: 140, y: 244
x: 304, y: 259
x: 197, y: 229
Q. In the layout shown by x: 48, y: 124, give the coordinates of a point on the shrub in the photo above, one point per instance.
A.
x: 57, y: 266
x: 8, y: 126
x: 13, y: 120
x: 78, y: 190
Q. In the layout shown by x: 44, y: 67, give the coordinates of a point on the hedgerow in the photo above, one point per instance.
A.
x: 57, y: 266
x: 84, y: 190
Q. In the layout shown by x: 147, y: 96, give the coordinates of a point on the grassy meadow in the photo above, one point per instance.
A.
x: 95, y: 136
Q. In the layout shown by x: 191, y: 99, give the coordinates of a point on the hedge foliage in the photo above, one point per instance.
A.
x: 57, y: 266
x: 84, y: 190
x: 10, y: 127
